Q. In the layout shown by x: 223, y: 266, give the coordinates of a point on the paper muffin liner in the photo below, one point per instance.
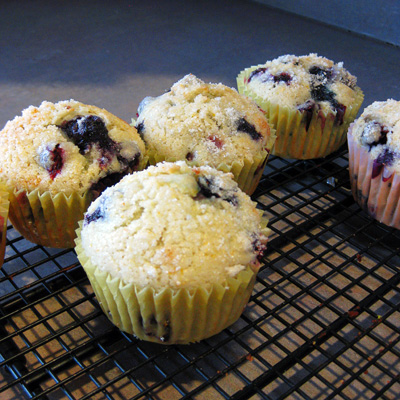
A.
x: 50, y: 219
x: 47, y: 219
x: 294, y: 140
x: 168, y: 316
x: 4, y: 207
x: 247, y: 173
x: 379, y: 196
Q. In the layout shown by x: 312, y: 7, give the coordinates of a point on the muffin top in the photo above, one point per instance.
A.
x: 175, y: 226
x: 67, y: 147
x: 208, y: 124
x: 304, y: 83
x: 378, y: 130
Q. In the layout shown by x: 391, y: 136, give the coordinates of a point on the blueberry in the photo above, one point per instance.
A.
x: 88, y: 131
x: 323, y: 93
x: 98, y: 213
x: 129, y: 163
x: 282, y: 77
x: 205, y: 187
x: 140, y: 128
x: 128, y: 166
x: 374, y: 134
x: 232, y: 199
x: 256, y: 72
x: 385, y: 158
x: 258, y: 246
x: 208, y: 189
x: 244, y: 126
x: 52, y: 159
x: 189, y: 156
x: 321, y: 72
x: 259, y: 72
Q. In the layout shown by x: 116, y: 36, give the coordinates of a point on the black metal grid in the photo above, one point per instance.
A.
x: 323, y: 321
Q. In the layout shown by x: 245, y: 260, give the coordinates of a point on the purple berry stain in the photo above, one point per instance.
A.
x: 307, y: 109
x: 217, y: 141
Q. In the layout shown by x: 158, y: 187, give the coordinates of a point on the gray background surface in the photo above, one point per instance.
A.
x: 376, y: 19
x: 113, y: 54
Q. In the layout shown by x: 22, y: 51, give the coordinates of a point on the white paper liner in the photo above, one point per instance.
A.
x: 378, y: 196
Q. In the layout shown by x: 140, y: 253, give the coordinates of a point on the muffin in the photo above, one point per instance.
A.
x: 56, y: 158
x: 172, y: 252
x: 4, y: 205
x: 309, y: 100
x: 374, y: 161
x: 207, y: 124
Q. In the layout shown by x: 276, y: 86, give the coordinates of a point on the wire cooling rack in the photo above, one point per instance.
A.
x: 323, y: 321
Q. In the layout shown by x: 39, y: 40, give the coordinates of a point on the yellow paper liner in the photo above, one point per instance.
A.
x: 46, y: 219
x: 323, y: 135
x: 50, y: 220
x: 247, y: 173
x: 379, y: 196
x: 4, y: 207
x: 168, y: 316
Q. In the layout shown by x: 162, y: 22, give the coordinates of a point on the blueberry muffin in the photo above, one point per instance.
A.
x: 374, y: 161
x: 309, y: 100
x: 207, y: 124
x: 172, y: 252
x: 56, y: 158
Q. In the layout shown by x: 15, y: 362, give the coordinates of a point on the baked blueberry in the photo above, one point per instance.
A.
x: 321, y: 72
x: 208, y: 189
x: 282, y: 77
x: 189, y: 156
x: 128, y: 166
x: 52, y: 160
x: 97, y: 214
x: 386, y: 158
x: 256, y: 72
x: 140, y: 128
x: 323, y: 93
x: 258, y: 246
x: 88, y: 131
x: 244, y: 126
x: 374, y: 134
